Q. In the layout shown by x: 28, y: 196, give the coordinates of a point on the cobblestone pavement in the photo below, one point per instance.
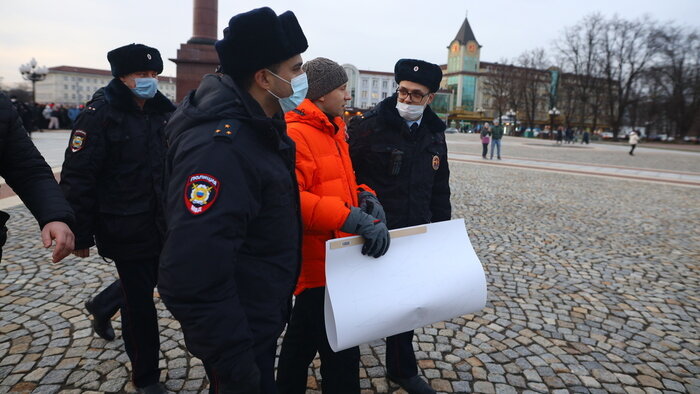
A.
x: 594, y: 286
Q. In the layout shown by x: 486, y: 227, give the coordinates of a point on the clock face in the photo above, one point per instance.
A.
x: 455, y: 47
x: 471, y: 47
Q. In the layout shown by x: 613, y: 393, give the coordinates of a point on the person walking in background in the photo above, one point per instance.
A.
x: 560, y: 135
x: 485, y: 139
x: 53, y: 117
x: 496, y: 136
x: 634, y: 139
x: 586, y: 137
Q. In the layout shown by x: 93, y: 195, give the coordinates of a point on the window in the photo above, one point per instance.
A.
x: 364, y: 94
x: 384, y: 95
x: 384, y: 84
x: 374, y: 96
x: 364, y: 83
x: 375, y: 84
x: 65, y: 87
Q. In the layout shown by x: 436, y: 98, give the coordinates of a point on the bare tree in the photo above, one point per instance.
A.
x: 626, y: 52
x: 676, y: 75
x: 579, y: 54
x: 498, y: 84
x: 532, y: 83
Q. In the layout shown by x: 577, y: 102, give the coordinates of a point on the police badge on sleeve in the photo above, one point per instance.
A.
x: 201, y: 191
x: 78, y: 140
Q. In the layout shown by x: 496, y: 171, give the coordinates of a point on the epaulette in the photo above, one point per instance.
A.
x: 226, y: 130
x: 93, y: 106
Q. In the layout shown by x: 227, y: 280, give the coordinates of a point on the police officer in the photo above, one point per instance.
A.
x: 398, y: 148
x: 232, y: 251
x: 31, y: 178
x: 112, y: 177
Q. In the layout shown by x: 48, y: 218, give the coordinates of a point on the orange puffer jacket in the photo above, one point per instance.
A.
x: 327, y: 186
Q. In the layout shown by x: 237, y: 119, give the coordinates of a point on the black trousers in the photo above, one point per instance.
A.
x: 109, y: 300
x: 632, y: 150
x: 306, y: 335
x: 400, y: 359
x: 139, y: 318
x: 485, y: 149
x: 265, y: 361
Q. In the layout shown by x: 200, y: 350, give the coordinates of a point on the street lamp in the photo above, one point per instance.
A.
x: 31, y: 72
x: 554, y: 112
x: 481, y: 112
x: 511, y: 114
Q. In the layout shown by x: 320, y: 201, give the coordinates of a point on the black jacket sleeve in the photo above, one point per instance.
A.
x: 83, y: 162
x: 440, y: 206
x: 197, y: 275
x: 26, y: 171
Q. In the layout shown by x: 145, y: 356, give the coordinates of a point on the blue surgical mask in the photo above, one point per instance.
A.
x: 146, y: 88
x: 300, y: 85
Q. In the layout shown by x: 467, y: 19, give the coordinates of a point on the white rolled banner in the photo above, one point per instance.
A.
x: 430, y: 274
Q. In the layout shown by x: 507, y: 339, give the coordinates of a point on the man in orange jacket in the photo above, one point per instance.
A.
x: 332, y: 206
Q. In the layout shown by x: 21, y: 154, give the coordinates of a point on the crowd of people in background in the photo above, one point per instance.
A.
x: 49, y: 116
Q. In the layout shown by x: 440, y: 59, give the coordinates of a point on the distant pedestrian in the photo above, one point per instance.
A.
x: 560, y: 135
x: 586, y: 137
x: 485, y: 139
x: 496, y: 135
x: 53, y: 117
x: 634, y: 139
x: 569, y: 134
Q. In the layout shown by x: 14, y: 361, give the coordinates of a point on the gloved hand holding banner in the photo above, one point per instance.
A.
x: 430, y: 274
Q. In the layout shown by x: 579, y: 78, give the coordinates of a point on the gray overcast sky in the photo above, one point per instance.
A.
x: 371, y: 34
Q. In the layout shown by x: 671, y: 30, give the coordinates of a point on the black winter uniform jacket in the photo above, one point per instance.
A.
x: 113, y: 173
x: 232, y: 251
x: 408, y: 170
x: 25, y: 170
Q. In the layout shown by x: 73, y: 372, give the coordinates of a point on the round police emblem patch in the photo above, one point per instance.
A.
x: 416, y: 68
x: 78, y: 140
x: 201, y: 191
x: 148, y: 55
x: 436, y: 162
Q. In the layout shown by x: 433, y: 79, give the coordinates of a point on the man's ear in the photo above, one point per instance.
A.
x: 431, y: 96
x: 261, y: 78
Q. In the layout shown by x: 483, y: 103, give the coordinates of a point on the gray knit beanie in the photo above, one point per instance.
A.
x: 324, y: 75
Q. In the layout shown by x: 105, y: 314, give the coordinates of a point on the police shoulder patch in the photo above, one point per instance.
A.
x: 78, y: 140
x: 201, y: 190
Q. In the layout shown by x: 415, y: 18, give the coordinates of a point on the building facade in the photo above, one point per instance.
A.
x: 68, y: 85
x: 368, y: 88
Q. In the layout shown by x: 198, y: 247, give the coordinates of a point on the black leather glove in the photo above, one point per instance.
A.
x: 369, y: 204
x: 375, y: 233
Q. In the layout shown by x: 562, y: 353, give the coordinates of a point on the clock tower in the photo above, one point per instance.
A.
x: 462, y: 67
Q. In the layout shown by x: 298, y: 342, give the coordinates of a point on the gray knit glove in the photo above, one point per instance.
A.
x: 374, y: 232
x: 369, y: 204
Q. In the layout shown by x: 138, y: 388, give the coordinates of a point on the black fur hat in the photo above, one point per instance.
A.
x: 418, y: 71
x: 257, y: 39
x: 134, y: 57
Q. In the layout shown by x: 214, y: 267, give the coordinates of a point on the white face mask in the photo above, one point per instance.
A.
x: 410, y: 111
